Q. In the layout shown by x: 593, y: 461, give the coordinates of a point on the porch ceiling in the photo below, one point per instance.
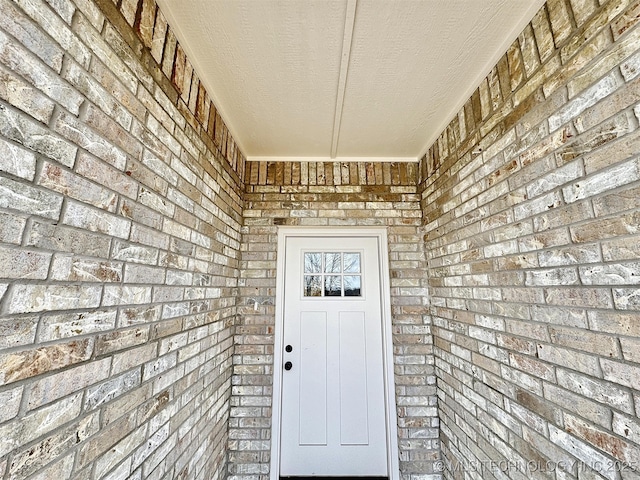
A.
x: 343, y: 79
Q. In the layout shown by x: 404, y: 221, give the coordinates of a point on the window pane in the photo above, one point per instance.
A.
x: 351, y: 263
x: 312, y: 262
x: 332, y: 287
x: 352, y: 286
x: 332, y: 263
x: 312, y: 286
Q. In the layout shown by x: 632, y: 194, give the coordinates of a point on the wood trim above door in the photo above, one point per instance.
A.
x: 390, y: 405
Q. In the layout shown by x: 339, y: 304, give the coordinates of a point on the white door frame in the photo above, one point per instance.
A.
x: 385, y: 302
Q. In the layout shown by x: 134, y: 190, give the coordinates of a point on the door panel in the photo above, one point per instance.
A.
x: 354, y: 408
x: 313, y: 384
x: 333, y: 419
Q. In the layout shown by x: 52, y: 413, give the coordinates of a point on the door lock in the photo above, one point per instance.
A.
x: 288, y: 365
x: 288, y: 349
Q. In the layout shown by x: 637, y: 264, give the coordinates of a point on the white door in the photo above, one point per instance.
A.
x: 333, y: 393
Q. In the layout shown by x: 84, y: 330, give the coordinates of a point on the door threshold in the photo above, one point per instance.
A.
x: 352, y: 477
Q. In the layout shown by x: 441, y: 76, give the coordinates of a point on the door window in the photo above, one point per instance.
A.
x: 332, y: 274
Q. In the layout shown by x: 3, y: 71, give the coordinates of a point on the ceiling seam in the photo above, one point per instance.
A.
x: 349, y: 23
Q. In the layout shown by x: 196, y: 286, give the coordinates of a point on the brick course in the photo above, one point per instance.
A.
x: 136, y: 241
x: 120, y: 222
x: 524, y: 208
x: 332, y: 194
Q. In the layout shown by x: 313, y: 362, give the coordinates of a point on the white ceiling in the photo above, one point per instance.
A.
x: 343, y: 79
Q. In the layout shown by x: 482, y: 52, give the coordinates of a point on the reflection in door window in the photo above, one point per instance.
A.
x: 332, y: 286
x: 332, y: 274
x: 352, y: 285
x: 312, y: 262
x: 312, y: 285
x: 351, y: 263
x: 332, y: 263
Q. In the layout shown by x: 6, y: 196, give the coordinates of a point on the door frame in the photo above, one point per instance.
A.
x: 380, y: 234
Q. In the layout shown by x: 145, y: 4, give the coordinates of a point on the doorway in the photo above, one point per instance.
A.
x: 334, y: 404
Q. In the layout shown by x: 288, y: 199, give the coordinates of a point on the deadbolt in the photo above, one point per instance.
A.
x: 288, y: 365
x: 288, y: 349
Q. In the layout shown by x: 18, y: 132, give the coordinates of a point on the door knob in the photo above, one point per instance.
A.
x: 288, y: 365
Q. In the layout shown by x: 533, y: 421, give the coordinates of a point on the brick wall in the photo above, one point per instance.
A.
x: 331, y: 194
x: 531, y: 203
x: 130, y: 261
x: 120, y: 214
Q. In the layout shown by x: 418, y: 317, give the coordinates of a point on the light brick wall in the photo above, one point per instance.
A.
x: 531, y: 202
x: 332, y: 194
x: 130, y: 259
x: 120, y: 215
